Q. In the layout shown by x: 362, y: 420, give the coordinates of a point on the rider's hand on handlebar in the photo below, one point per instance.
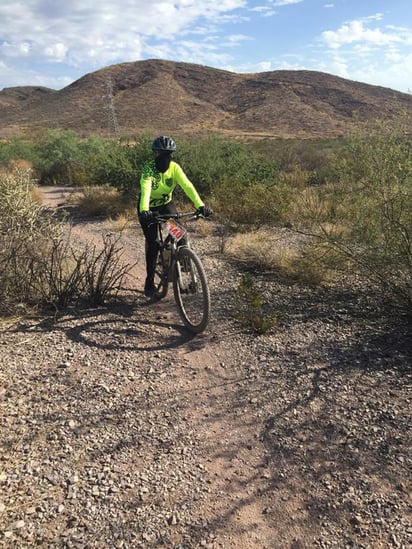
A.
x: 204, y: 211
x: 146, y: 218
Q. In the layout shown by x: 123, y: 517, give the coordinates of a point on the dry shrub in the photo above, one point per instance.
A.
x: 39, y: 263
x: 317, y: 263
x: 102, y: 201
x: 204, y: 228
x: 20, y: 165
x: 121, y: 222
x: 251, y: 311
x: 365, y: 213
x: 266, y: 251
x: 37, y: 195
x: 311, y: 207
x: 258, y: 249
x: 19, y: 213
x: 295, y: 177
x: 24, y: 227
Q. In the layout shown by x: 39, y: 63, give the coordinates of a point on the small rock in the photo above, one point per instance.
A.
x: 172, y: 520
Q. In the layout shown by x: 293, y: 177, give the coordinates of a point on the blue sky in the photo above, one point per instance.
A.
x: 54, y: 42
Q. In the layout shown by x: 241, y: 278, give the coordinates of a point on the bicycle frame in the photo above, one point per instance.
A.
x: 170, y: 240
x: 184, y: 270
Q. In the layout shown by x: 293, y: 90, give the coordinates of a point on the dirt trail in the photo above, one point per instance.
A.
x: 235, y: 460
x: 123, y: 430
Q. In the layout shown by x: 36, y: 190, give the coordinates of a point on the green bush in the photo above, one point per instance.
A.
x: 238, y: 202
x: 213, y: 161
x: 17, y: 148
x: 366, y: 214
x: 121, y: 166
x: 251, y: 311
x: 308, y: 154
x: 60, y: 157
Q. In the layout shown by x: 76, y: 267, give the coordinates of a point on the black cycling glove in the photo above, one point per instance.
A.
x: 146, y: 217
x: 204, y: 211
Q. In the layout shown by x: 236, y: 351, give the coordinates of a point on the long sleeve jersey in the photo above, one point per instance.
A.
x: 156, y: 188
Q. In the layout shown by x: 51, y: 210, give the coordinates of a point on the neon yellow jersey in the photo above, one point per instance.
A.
x: 156, y: 188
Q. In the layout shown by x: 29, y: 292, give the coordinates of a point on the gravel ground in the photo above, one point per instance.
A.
x: 122, y: 430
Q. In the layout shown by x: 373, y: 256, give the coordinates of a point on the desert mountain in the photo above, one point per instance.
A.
x: 167, y: 97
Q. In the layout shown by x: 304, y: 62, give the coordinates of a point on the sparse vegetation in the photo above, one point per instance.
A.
x: 250, y: 307
x: 39, y: 264
x: 352, y: 196
x: 306, y: 261
x: 365, y: 214
x: 103, y: 200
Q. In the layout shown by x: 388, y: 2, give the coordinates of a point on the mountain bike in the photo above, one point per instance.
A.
x: 180, y: 266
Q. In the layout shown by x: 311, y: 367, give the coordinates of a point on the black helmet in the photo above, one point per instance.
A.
x: 163, y: 144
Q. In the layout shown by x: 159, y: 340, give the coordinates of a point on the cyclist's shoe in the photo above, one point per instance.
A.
x: 149, y: 289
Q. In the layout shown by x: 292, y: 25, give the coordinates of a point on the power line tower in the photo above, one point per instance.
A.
x: 113, y: 125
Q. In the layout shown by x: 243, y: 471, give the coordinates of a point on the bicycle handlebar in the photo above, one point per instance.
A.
x: 165, y: 217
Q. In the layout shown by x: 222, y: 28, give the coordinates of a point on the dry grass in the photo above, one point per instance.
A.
x: 36, y: 195
x: 20, y: 165
x: 122, y: 221
x: 103, y: 201
x: 265, y: 251
x: 295, y: 177
x: 204, y: 228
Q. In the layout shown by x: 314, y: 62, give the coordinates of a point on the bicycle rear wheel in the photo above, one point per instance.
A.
x: 161, y: 282
x: 191, y: 290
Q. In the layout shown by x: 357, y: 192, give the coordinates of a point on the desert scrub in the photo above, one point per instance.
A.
x: 89, y: 274
x: 365, y: 214
x: 246, y: 203
x: 19, y: 211
x: 250, y: 308
x: 39, y: 264
x: 24, y: 228
x: 300, y: 259
x: 104, y: 201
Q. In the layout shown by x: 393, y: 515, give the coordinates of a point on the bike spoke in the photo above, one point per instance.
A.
x: 160, y: 278
x: 191, y: 291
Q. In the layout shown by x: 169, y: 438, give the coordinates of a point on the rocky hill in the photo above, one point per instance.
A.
x: 167, y: 97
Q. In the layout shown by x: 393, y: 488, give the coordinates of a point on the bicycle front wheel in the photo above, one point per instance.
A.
x: 191, y: 290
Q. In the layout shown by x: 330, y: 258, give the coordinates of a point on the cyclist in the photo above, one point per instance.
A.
x: 157, y: 182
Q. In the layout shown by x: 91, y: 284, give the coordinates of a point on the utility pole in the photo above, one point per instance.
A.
x: 113, y: 125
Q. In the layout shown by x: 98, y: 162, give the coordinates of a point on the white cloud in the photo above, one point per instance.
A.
x: 24, y: 48
x: 56, y: 52
x: 86, y: 31
x: 284, y: 2
x: 264, y: 66
x: 30, y: 78
x: 234, y: 39
x: 394, y: 71
x: 366, y: 50
x: 357, y: 31
x: 265, y: 11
